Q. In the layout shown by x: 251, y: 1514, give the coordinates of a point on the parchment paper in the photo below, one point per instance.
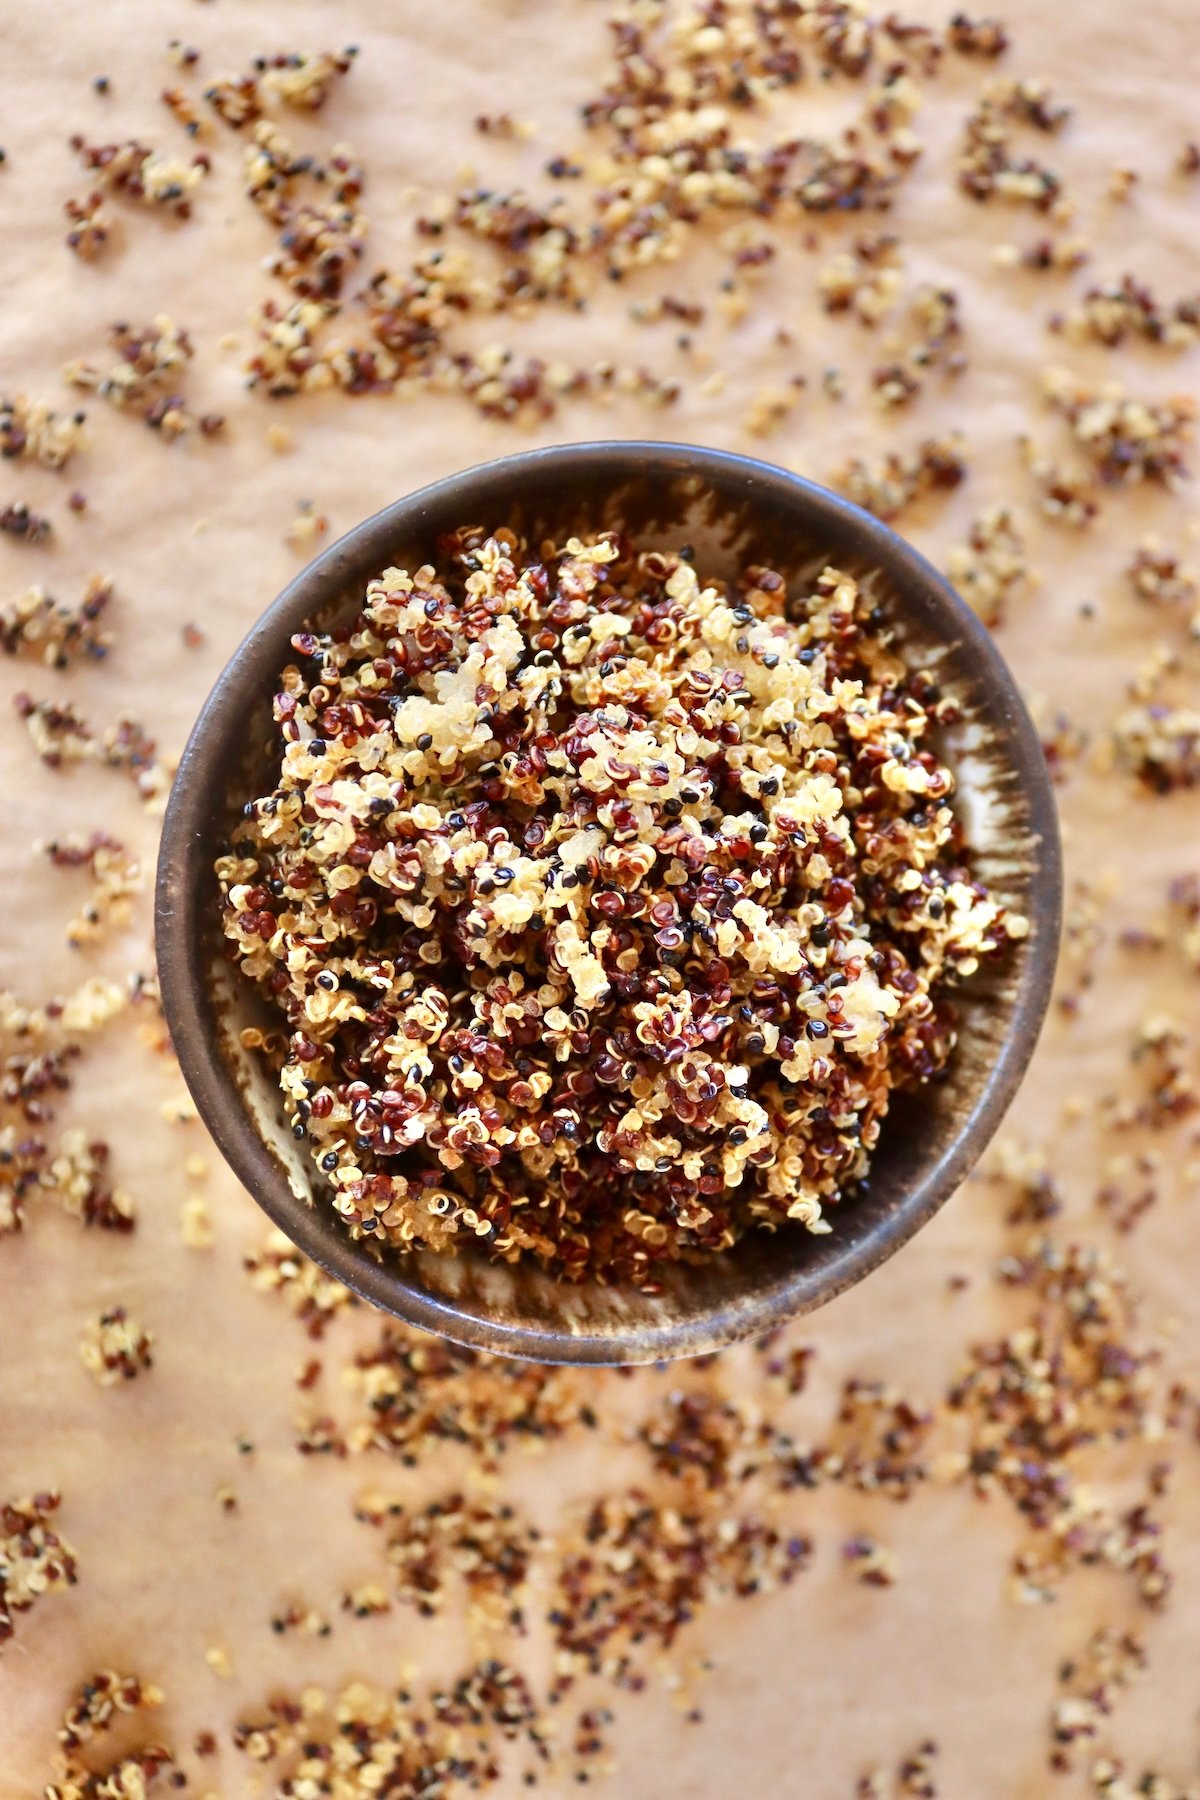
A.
x: 811, y: 1686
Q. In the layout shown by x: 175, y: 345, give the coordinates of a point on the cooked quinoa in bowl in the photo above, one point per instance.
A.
x: 587, y: 1289
x: 603, y: 904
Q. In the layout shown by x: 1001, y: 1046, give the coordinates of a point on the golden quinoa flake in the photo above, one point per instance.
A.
x: 605, y: 906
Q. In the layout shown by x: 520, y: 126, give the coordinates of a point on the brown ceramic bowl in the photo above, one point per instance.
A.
x: 732, y: 509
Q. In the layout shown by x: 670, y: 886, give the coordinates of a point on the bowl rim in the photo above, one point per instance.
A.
x: 184, y: 866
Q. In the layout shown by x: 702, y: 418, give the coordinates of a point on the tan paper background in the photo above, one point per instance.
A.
x: 811, y: 1686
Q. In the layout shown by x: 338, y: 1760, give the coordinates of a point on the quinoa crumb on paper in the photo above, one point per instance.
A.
x: 115, y: 1348
x: 34, y: 1559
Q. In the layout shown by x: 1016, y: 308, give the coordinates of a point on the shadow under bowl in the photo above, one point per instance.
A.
x: 732, y: 510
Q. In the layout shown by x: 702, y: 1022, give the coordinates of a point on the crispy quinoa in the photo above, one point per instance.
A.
x: 33, y: 431
x: 150, y: 364
x: 101, y: 1706
x: 419, y: 1395
x: 368, y: 1740
x: 148, y: 176
x: 638, y: 1572
x: 1092, y: 1682
x: 18, y: 520
x: 314, y: 1297
x: 115, y: 1348
x: 889, y: 486
x: 36, y: 624
x: 605, y: 908
x: 992, y: 567
x: 115, y: 877
x: 483, y: 1543
x: 34, y: 1560
x: 1125, y: 440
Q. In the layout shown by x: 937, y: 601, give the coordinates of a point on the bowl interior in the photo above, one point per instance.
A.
x: 731, y: 510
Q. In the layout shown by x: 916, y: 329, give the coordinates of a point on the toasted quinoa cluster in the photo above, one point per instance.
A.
x: 605, y: 905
